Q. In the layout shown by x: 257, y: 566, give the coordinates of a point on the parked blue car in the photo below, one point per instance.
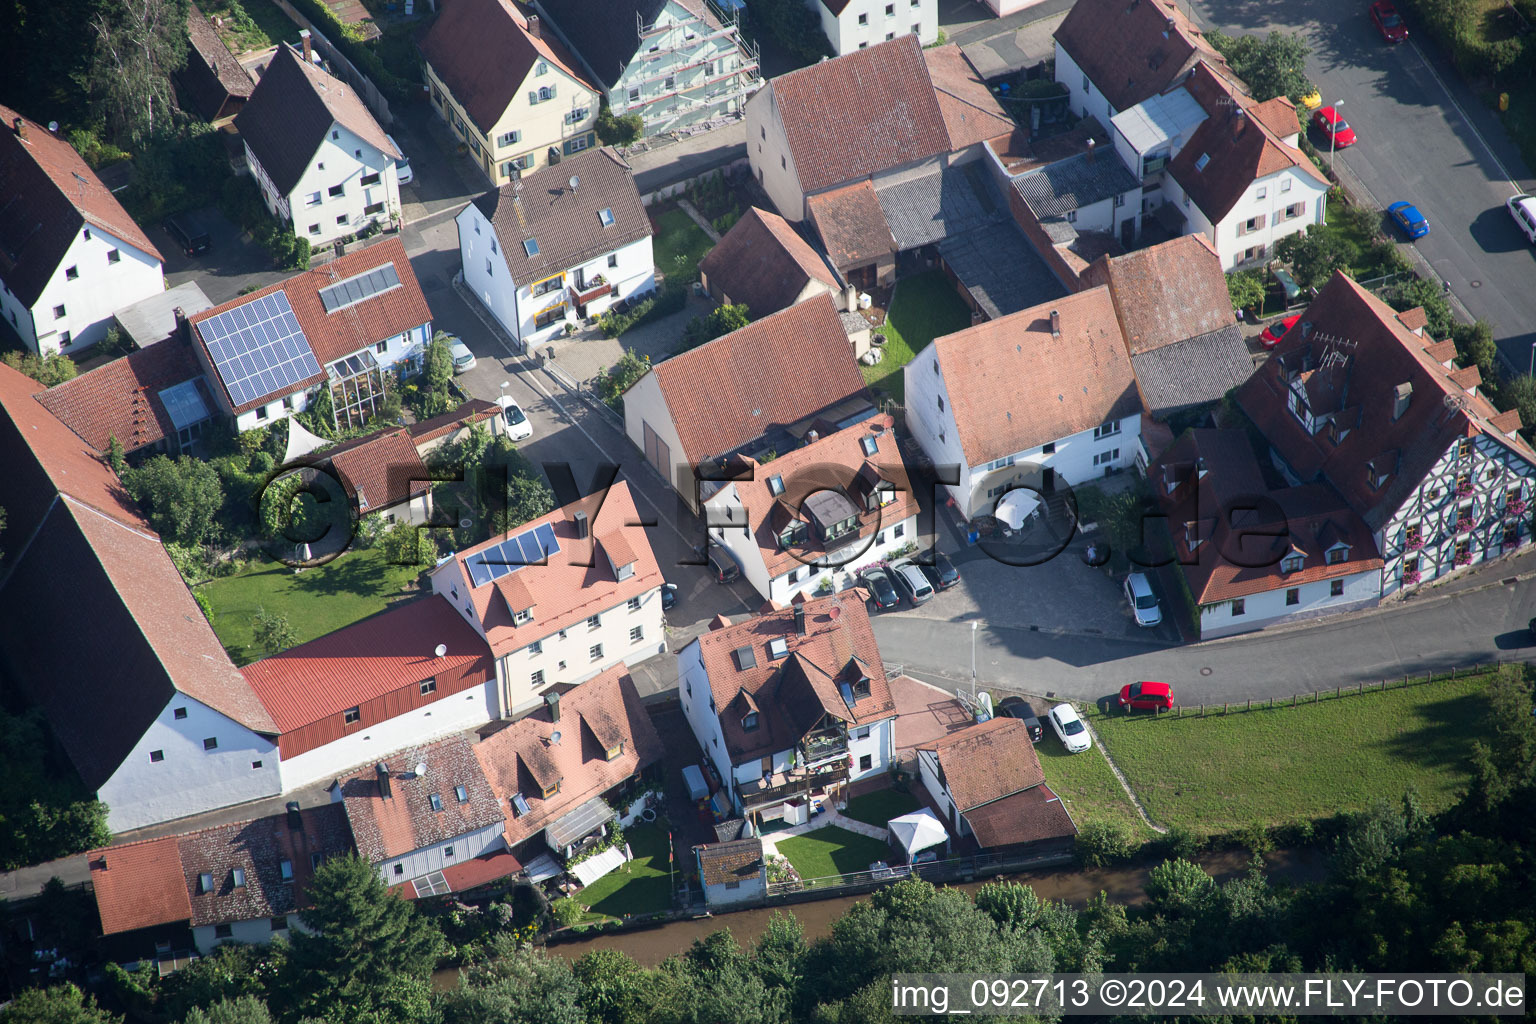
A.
x: 1409, y: 218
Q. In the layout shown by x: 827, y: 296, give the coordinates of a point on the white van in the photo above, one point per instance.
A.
x: 1523, y: 209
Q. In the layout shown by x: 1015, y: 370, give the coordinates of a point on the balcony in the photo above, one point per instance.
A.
x: 595, y: 289
x: 823, y: 747
x: 777, y: 788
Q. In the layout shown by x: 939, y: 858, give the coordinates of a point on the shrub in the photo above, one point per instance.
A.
x: 93, y: 149
x: 566, y: 910
x: 1182, y: 842
x: 719, y: 321
x: 1102, y: 843
x: 1246, y: 289
x: 618, y: 379
x: 618, y: 131
x: 672, y: 297
x: 408, y: 544
x: 49, y: 371
x: 272, y: 631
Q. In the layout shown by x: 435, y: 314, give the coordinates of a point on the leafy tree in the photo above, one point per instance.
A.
x: 408, y: 544
x: 1518, y: 392
x: 139, y: 43
x: 49, y: 371
x: 1422, y: 292
x: 614, y: 989
x: 228, y: 974
x: 1010, y: 904
x: 1100, y: 843
x: 566, y: 910
x: 245, y: 1009
x: 717, y: 322
x: 781, y: 951
x: 273, y: 631
x: 1272, y: 66
x: 1506, y: 763
x: 181, y: 498
x: 517, y: 984
x: 618, y: 131
x: 1475, y: 347
x: 1178, y: 887
x: 62, y: 1004
x: 115, y: 456
x: 795, y: 26
x: 1316, y: 254
x: 362, y: 940
x: 1246, y: 288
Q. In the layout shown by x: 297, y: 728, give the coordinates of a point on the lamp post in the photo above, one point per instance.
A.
x: 1333, y: 131
x: 975, y: 624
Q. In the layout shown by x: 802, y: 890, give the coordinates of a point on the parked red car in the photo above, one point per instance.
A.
x: 1275, y: 331
x: 1388, y: 22
x: 1146, y: 696
x: 1332, y: 126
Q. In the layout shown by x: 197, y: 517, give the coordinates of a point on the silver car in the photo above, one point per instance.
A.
x: 463, y: 358
x: 1138, y: 591
x: 911, y: 582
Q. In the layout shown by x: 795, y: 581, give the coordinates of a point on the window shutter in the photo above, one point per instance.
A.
x: 552, y: 91
x: 533, y: 96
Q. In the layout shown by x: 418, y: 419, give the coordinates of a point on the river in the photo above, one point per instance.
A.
x: 1124, y: 885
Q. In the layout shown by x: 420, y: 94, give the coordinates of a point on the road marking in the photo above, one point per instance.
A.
x: 521, y: 370
x: 1508, y: 178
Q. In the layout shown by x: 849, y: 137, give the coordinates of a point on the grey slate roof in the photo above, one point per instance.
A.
x: 1001, y: 269
x: 1193, y: 372
x: 1056, y: 189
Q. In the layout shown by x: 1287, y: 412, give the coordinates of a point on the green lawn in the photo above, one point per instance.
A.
x: 1088, y: 787
x: 641, y: 886
x: 879, y: 807
x: 679, y: 244
x: 832, y: 851
x: 925, y: 307
x: 251, y: 24
x: 315, y: 601
x: 1221, y: 772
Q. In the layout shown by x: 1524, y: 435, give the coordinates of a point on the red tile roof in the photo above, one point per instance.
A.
x: 1031, y: 816
x: 1013, y: 386
x: 50, y: 194
x: 481, y: 50
x: 833, y: 462
x: 1278, y: 115
x: 775, y: 371
x: 1414, y: 319
x: 971, y: 113
x: 391, y: 826
x: 292, y: 109
x: 860, y: 114
x: 1229, y: 543
x: 852, y: 225
x: 595, y: 716
x: 347, y: 330
x: 764, y: 264
x: 381, y: 470
x: 139, y: 885
x: 476, y: 410
x: 121, y: 399
x: 1132, y: 49
x: 571, y: 586
x: 358, y: 663
x: 1167, y: 293
x: 987, y: 761
x: 792, y: 693
x: 1361, y: 394
x: 212, y: 75
x: 720, y: 863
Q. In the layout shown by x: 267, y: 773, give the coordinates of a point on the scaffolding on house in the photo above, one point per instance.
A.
x: 671, y: 59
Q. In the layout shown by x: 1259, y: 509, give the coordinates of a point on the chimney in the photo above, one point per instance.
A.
x: 533, y: 26
x: 580, y: 519
x: 1400, y: 406
x: 800, y: 620
x: 1091, y: 144
x: 552, y: 701
x: 1055, y: 324
x: 812, y: 436
x: 1167, y: 28
x: 851, y: 299
x: 304, y: 38
x: 295, y: 819
x: 382, y: 771
x: 21, y: 128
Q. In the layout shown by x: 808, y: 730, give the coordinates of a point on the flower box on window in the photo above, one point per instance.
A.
x: 1414, y: 543
x: 1514, y: 509
x: 1465, y: 558
x: 1410, y: 577
x: 1463, y: 488
x: 1465, y: 525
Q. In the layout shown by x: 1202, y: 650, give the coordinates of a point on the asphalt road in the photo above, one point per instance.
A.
x: 1424, y: 137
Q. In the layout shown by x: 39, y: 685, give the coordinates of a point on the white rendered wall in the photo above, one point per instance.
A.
x: 189, y: 780
x: 750, y: 889
x: 1268, y: 608
x: 99, y: 289
x: 694, y: 692
x: 1081, y: 99
x: 928, y: 771
x: 644, y: 403
x: 256, y: 933
x: 768, y: 153
x: 336, y: 163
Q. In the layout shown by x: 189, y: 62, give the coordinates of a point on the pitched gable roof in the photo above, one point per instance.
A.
x: 355, y: 664
x: 380, y: 470
x: 971, y: 113
x: 1167, y: 293
x: 392, y: 824
x: 720, y: 863
x: 774, y: 372
x: 987, y: 761
x: 332, y: 335
x: 291, y: 110
x: 602, y: 713
x: 792, y: 693
x: 139, y: 885
x: 563, y: 222
x: 1385, y: 354
x: 1035, y: 815
x: 47, y: 194
x: 212, y: 76
x: 1013, y: 386
x: 852, y: 224
x: 121, y: 399
x: 764, y: 264
x: 482, y: 51
x: 859, y: 114
x: 1132, y: 49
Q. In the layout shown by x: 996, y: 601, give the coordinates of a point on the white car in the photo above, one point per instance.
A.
x: 402, y: 166
x: 516, y: 421
x: 1070, y: 729
x: 1138, y: 591
x: 463, y: 358
x: 1523, y: 209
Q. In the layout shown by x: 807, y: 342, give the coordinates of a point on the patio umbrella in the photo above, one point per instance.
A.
x: 918, y: 831
x: 1016, y: 506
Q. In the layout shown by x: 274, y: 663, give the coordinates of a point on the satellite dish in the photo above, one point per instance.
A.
x: 53, y: 126
x: 441, y: 650
x: 554, y: 738
x: 421, y: 770
x: 574, y: 182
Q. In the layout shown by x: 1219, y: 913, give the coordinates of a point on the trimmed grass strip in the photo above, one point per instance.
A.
x: 640, y: 886
x: 925, y: 307
x: 832, y: 851
x: 879, y: 807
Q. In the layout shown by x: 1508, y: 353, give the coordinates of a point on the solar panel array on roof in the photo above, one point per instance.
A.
x: 363, y: 286
x: 531, y: 547
x: 259, y: 348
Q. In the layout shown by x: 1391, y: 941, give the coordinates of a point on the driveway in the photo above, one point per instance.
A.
x: 1424, y: 137
x: 231, y: 264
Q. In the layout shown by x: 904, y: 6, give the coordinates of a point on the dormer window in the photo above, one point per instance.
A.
x: 1338, y: 554
x: 861, y: 688
x: 1291, y: 563
x: 523, y: 617
x: 614, y: 751
x: 749, y: 721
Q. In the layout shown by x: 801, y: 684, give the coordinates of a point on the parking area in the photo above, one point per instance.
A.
x: 232, y: 263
